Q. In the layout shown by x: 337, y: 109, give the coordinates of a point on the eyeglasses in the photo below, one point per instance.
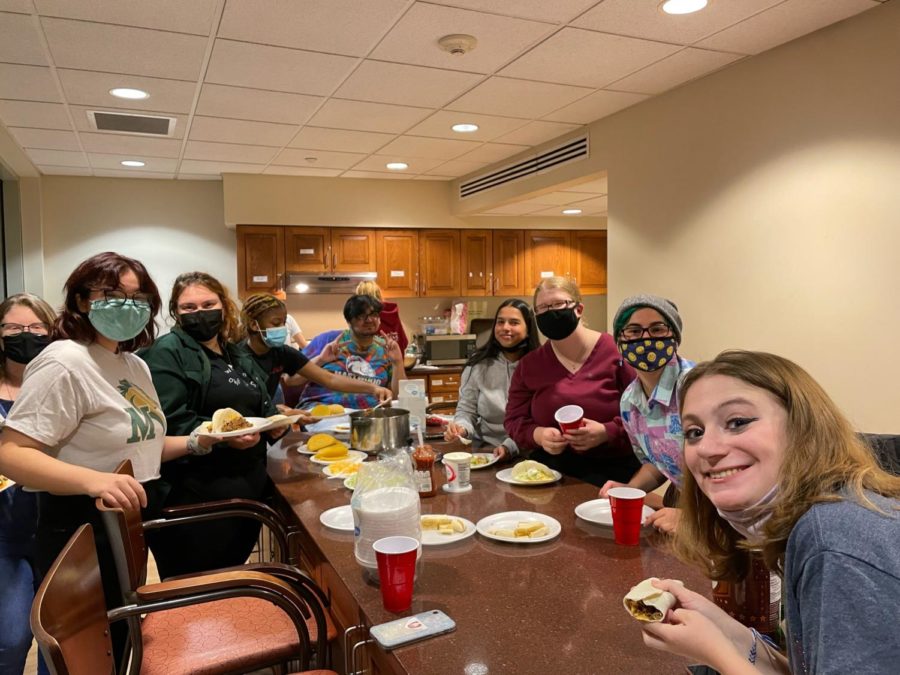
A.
x: 559, y: 304
x: 117, y: 298
x: 634, y: 331
x: 368, y: 317
x: 9, y: 329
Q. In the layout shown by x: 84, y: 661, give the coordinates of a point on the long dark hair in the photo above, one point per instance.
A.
x: 492, y: 349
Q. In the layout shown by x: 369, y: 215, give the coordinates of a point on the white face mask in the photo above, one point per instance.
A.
x: 751, y: 520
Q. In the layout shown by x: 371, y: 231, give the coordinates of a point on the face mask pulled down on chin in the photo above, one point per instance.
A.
x: 202, y: 325
x: 558, y: 324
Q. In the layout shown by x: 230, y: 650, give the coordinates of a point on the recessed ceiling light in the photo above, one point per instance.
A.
x: 683, y: 6
x: 127, y: 92
x: 571, y: 212
x: 464, y: 128
x: 397, y: 166
x: 131, y: 162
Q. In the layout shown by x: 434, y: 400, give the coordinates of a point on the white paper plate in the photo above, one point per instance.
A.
x: 6, y: 484
x: 341, y: 428
x: 489, y: 455
x: 328, y: 472
x: 509, y: 520
x: 351, y: 454
x: 435, y: 538
x: 259, y: 424
x: 505, y: 475
x: 338, y: 518
x: 319, y: 418
x: 599, y: 511
x: 350, y: 482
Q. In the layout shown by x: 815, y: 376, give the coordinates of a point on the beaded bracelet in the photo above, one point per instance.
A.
x: 751, y: 656
x: 194, y: 447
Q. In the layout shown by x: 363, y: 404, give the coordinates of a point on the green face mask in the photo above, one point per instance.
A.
x: 119, y: 321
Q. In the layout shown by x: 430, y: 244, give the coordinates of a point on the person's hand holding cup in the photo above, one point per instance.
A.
x: 569, y: 417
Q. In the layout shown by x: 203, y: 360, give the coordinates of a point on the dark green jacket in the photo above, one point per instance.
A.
x: 181, y: 372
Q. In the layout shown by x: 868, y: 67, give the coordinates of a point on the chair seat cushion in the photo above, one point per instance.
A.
x: 233, y: 635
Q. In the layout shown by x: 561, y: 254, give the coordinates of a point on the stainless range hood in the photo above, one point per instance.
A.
x: 334, y: 283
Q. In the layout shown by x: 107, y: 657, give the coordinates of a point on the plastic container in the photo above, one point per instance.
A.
x: 433, y: 325
x: 423, y: 458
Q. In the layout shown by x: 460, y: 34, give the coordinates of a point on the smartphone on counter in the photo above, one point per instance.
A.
x: 411, y: 629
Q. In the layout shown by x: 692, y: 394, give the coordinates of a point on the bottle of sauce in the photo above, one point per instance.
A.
x: 424, y: 472
x: 755, y: 601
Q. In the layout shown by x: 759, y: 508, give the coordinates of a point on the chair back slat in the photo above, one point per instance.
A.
x: 126, y: 535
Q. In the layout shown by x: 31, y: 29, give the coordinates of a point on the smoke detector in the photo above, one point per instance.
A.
x: 457, y: 44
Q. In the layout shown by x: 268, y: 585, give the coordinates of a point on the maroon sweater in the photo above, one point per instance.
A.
x: 390, y: 324
x: 541, y: 385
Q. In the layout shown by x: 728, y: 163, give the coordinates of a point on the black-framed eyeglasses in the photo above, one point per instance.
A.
x: 117, y: 297
x: 635, y: 331
x: 374, y: 316
x: 10, y: 329
x: 559, y: 304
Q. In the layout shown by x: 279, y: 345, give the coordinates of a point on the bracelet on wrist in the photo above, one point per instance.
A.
x: 194, y: 447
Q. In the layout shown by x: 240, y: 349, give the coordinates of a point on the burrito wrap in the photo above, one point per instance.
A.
x: 645, y: 602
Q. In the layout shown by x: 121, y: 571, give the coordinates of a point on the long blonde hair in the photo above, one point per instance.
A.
x: 823, y: 457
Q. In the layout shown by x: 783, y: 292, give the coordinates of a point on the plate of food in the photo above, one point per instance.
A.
x: 341, y: 428
x: 519, y: 527
x: 343, y: 468
x: 482, y: 460
x: 228, y: 423
x: 357, y: 455
x: 529, y: 472
x: 350, y: 482
x: 6, y: 483
x: 325, y: 411
x: 439, y: 529
x: 338, y: 518
x: 599, y: 511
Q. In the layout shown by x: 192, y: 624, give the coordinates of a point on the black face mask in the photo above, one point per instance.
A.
x: 518, y: 347
x: 22, y: 348
x: 558, y: 324
x: 202, y: 325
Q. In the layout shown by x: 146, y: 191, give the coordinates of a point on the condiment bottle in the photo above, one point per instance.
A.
x: 425, y: 475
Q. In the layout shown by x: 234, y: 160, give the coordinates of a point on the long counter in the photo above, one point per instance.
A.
x: 553, y: 607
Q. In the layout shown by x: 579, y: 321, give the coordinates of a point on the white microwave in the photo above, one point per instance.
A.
x: 447, y: 350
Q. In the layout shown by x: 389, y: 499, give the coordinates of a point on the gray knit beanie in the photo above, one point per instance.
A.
x: 665, y: 307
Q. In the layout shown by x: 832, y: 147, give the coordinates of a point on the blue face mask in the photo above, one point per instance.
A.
x: 119, y: 321
x: 275, y: 336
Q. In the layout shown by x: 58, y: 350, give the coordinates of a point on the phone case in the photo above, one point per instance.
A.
x: 410, y: 629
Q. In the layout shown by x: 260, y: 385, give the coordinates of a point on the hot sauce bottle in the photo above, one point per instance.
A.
x: 424, y: 471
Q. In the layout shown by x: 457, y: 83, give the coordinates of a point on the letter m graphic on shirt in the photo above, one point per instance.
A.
x: 143, y: 412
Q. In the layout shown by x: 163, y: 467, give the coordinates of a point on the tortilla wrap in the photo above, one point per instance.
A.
x: 521, y: 470
x: 647, y: 603
x: 228, y: 419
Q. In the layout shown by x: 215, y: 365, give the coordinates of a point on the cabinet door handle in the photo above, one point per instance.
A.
x: 333, y: 259
x: 358, y: 671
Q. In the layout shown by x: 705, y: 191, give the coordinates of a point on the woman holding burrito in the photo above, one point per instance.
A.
x: 773, y: 465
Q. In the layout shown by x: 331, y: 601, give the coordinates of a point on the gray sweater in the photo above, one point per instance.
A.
x: 483, y: 392
x: 842, y: 589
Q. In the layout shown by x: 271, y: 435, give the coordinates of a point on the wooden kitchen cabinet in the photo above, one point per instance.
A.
x: 439, y: 259
x: 307, y: 249
x: 509, y: 263
x: 475, y: 262
x: 352, y: 249
x: 260, y: 259
x: 443, y: 387
x: 325, y: 250
x: 493, y: 263
x: 397, y: 262
x: 589, y: 261
x: 547, y: 254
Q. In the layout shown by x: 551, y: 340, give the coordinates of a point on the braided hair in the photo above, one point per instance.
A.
x: 255, y: 306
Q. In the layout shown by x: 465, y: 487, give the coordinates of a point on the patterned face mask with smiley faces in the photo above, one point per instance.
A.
x: 648, y: 354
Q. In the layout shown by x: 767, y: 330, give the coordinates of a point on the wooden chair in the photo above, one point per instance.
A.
x: 127, y: 539
x: 71, y: 623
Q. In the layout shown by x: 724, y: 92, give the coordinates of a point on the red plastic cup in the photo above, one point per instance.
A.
x: 396, y: 558
x: 627, y: 506
x: 569, y: 417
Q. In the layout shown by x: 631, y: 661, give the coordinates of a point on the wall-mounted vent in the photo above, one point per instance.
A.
x: 570, y: 151
x: 129, y: 123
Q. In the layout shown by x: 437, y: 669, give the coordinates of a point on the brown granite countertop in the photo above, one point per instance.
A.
x: 436, y: 370
x: 553, y: 607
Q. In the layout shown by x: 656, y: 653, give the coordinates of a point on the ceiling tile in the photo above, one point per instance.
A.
x: 27, y: 83
x: 645, y: 20
x: 414, y: 38
x: 57, y: 157
x: 505, y: 96
x: 45, y: 139
x: 193, y: 166
x: 334, y: 26
x: 31, y: 114
x: 198, y: 176
x: 456, y: 168
x: 357, y: 115
x: 123, y: 144
x: 376, y: 174
x: 217, y: 100
x: 585, y: 58
x: 514, y: 209
x: 428, y: 148
x: 537, y: 203
x: 535, y: 133
x: 300, y: 171
x: 86, y: 87
x: 175, y: 15
x: 228, y: 152
x: 241, y: 131
x: 782, y: 23
x: 558, y: 211
x: 562, y: 198
x: 593, y: 107
x: 22, y: 6
x: 416, y: 164
x: 342, y: 140
x: 593, y: 205
x: 493, y: 152
x: 558, y: 11
x: 119, y: 49
x: 424, y: 176
x: 101, y: 160
x: 489, y: 127
x: 324, y: 158
x: 685, y: 65
x: 123, y: 173
x: 20, y: 41
x: 64, y: 170
x: 405, y: 85
x: 276, y: 68
x: 597, y: 186
x: 80, y: 117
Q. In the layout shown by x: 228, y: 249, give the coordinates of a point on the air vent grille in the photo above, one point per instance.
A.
x: 145, y: 125
x: 572, y: 150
